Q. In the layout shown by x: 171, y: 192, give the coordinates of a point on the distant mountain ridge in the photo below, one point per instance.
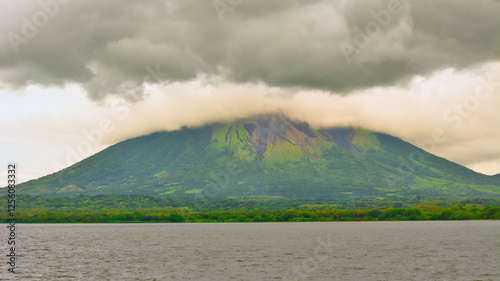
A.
x: 268, y: 155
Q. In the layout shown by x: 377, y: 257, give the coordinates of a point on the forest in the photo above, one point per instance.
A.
x: 147, y: 208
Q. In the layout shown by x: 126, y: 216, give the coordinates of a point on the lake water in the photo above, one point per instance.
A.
x: 257, y: 251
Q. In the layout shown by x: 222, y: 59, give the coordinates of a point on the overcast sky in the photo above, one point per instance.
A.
x: 78, y: 76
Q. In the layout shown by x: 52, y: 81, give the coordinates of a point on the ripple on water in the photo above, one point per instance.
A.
x: 260, y: 251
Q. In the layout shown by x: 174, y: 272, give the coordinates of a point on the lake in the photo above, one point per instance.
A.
x: 443, y: 250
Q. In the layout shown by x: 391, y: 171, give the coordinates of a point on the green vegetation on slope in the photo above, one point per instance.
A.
x: 266, y: 156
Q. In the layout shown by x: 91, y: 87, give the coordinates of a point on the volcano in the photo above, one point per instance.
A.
x: 267, y: 155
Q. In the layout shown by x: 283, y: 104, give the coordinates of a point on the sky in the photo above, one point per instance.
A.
x: 79, y: 76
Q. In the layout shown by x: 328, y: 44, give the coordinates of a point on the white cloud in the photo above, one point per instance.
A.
x: 54, y: 122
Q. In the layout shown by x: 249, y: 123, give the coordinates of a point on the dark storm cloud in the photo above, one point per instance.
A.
x: 114, y: 47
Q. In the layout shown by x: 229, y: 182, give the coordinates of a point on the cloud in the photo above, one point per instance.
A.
x: 56, y: 128
x: 455, y: 104
x: 116, y: 47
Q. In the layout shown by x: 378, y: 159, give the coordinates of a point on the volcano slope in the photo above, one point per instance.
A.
x: 267, y: 156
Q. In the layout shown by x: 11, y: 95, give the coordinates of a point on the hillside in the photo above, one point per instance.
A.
x: 267, y: 156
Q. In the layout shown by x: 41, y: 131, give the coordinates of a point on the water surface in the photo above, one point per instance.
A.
x: 258, y: 251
